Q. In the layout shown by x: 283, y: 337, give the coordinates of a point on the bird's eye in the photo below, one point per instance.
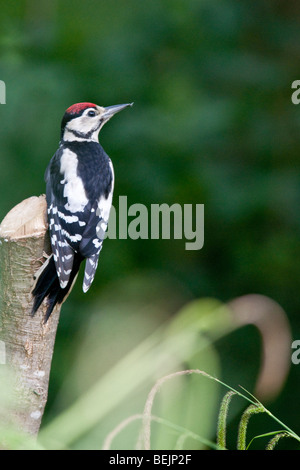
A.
x: 91, y: 113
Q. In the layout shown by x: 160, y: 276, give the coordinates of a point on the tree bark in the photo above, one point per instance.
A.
x: 26, y: 342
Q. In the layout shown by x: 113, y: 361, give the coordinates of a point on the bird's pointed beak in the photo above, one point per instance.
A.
x: 109, y: 111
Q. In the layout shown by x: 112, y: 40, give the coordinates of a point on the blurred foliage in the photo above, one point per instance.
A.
x: 212, y: 123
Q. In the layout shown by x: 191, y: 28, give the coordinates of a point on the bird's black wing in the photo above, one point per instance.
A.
x: 65, y: 227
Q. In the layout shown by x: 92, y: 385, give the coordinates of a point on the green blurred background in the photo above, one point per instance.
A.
x: 213, y: 123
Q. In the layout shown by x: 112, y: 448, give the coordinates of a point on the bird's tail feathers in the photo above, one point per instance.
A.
x: 47, y: 286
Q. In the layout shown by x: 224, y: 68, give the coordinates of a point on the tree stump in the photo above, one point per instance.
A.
x: 27, y: 343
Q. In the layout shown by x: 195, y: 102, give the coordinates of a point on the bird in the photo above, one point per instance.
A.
x: 79, y: 190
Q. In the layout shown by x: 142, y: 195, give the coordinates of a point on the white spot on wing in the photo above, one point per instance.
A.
x: 97, y: 242
x: 68, y: 218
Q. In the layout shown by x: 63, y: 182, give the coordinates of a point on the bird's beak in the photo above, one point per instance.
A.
x: 111, y: 110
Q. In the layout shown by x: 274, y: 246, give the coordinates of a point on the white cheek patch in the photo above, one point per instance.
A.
x: 73, y: 188
x: 83, y: 124
x: 83, y: 128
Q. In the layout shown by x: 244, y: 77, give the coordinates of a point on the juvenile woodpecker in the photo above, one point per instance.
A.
x: 79, y: 188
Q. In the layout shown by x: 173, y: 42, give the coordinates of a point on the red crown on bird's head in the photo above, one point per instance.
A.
x: 77, y: 108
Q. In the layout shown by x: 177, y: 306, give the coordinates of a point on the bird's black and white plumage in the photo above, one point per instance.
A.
x: 79, y: 190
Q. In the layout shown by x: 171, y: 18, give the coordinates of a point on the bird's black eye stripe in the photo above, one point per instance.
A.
x: 91, y: 113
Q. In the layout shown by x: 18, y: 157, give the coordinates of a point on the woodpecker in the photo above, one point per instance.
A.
x: 79, y: 189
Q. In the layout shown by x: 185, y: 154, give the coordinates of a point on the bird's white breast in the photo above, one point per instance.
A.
x: 73, y: 187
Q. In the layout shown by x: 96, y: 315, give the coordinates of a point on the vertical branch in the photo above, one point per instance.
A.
x: 28, y: 342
